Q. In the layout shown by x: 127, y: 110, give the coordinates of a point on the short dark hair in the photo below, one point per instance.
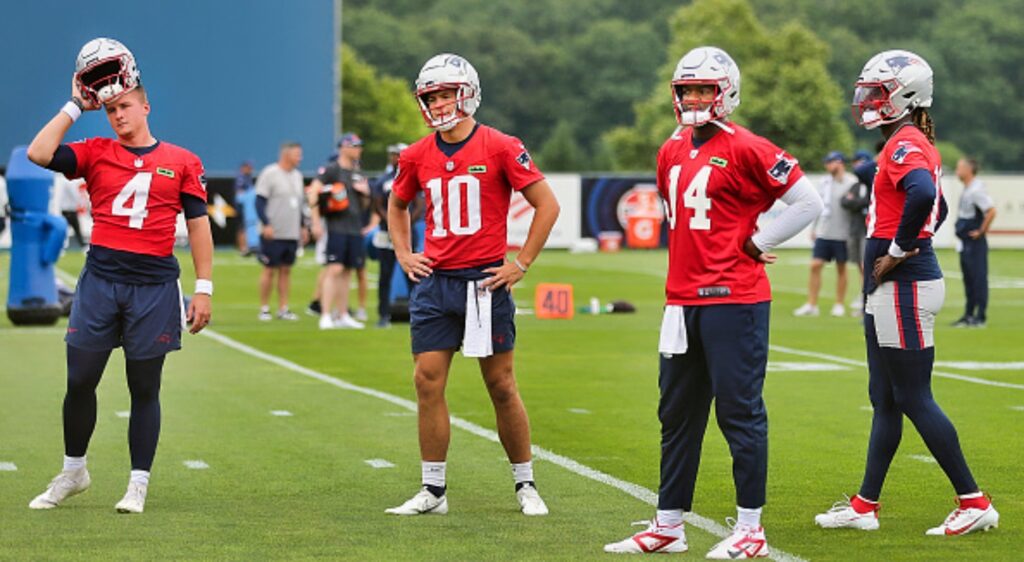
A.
x: 973, y: 163
x: 290, y: 144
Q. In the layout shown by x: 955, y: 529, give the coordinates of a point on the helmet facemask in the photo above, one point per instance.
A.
x: 465, y: 94
x: 873, y: 103
x: 107, y: 79
x: 698, y: 112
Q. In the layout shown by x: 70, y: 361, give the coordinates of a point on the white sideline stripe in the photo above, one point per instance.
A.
x: 196, y: 465
x: 123, y: 414
x: 982, y: 365
x: 924, y: 459
x: 1017, y: 408
x: 639, y: 492
x: 379, y: 463
x: 281, y: 413
x: 581, y: 411
x: 8, y: 467
x: 861, y: 364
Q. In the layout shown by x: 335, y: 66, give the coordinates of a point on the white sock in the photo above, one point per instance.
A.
x: 523, y: 471
x: 433, y: 473
x: 140, y: 477
x: 748, y: 517
x: 73, y: 463
x: 669, y: 517
x: 971, y: 496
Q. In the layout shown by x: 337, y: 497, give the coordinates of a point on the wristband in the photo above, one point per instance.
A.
x: 204, y: 287
x: 72, y: 110
x: 895, y: 250
x: 521, y: 267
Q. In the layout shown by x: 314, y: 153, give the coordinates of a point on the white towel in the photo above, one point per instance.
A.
x: 476, y: 341
x: 673, y: 331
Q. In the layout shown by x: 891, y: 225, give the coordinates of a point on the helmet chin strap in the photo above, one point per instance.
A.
x: 723, y: 126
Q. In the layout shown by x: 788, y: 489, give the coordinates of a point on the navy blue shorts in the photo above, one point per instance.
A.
x: 830, y: 250
x: 144, y: 319
x: 437, y: 311
x: 347, y: 249
x: 275, y: 253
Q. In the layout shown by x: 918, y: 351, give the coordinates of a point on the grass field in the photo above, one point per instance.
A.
x: 299, y: 486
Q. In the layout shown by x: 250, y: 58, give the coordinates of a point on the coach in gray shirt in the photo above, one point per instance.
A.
x: 831, y: 230
x: 974, y: 217
x: 280, y: 202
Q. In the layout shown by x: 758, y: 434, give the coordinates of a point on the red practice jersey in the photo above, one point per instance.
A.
x: 908, y: 149
x: 713, y: 195
x: 467, y: 194
x: 136, y: 199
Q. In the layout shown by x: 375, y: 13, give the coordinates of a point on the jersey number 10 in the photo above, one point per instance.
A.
x: 695, y: 197
x: 456, y: 224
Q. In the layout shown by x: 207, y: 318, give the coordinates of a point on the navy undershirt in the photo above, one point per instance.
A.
x: 449, y: 149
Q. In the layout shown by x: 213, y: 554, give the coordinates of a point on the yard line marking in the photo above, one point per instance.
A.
x: 123, y: 414
x: 8, y: 467
x: 379, y: 463
x: 982, y: 365
x: 281, y: 413
x: 581, y: 411
x: 867, y: 408
x: 639, y: 492
x: 1017, y: 408
x: 782, y: 366
x: 861, y: 364
x: 924, y: 459
x: 399, y: 414
x: 196, y: 465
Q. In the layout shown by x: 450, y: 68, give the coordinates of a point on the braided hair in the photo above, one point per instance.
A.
x: 923, y: 121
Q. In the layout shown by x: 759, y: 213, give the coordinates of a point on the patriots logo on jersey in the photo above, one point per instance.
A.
x: 782, y: 167
x: 903, y: 151
x: 524, y: 159
x: 202, y: 180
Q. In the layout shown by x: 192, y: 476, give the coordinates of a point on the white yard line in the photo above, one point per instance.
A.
x: 281, y: 413
x: 196, y: 465
x: 925, y: 459
x: 379, y: 463
x: 8, y: 467
x: 639, y: 492
x: 861, y: 364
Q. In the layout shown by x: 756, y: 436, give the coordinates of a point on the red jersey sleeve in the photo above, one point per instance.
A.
x: 194, y: 182
x: 405, y: 184
x: 905, y: 156
x: 773, y: 170
x: 519, y: 168
x: 83, y: 150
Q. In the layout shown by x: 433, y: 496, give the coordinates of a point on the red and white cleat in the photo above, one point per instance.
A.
x: 744, y: 542
x: 655, y: 538
x: 976, y: 514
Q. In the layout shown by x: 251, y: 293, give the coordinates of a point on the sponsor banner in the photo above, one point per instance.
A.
x: 567, y: 228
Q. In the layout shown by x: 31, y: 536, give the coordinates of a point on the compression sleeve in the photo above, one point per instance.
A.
x: 920, y: 189
x: 804, y: 205
x: 261, y: 209
x: 64, y: 161
x: 193, y: 206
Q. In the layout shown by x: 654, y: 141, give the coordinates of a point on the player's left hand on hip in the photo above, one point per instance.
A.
x: 199, y: 310
x: 505, y: 275
x: 887, y: 263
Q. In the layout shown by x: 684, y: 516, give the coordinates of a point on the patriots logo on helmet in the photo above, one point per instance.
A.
x: 722, y: 59
x: 782, y: 167
x: 900, y: 62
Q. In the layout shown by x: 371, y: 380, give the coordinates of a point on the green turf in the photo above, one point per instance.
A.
x: 298, y: 487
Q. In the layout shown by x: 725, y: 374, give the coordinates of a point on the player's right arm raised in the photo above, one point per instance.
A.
x: 50, y: 136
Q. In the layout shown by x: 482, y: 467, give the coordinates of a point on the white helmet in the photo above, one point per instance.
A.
x: 105, y: 70
x: 892, y: 84
x: 706, y: 65
x: 448, y: 72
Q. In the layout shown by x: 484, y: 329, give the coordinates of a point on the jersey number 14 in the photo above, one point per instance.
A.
x: 695, y: 197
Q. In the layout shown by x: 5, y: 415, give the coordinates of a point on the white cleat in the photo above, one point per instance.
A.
x: 838, y: 310
x: 347, y: 322
x: 654, y: 538
x: 963, y: 521
x: 807, y: 310
x: 134, y: 500
x: 422, y: 503
x: 530, y: 501
x: 843, y: 516
x: 62, y: 487
x: 744, y: 542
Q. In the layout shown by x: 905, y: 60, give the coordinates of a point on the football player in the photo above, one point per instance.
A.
x: 128, y: 293
x: 716, y: 178
x: 905, y: 290
x: 462, y: 292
